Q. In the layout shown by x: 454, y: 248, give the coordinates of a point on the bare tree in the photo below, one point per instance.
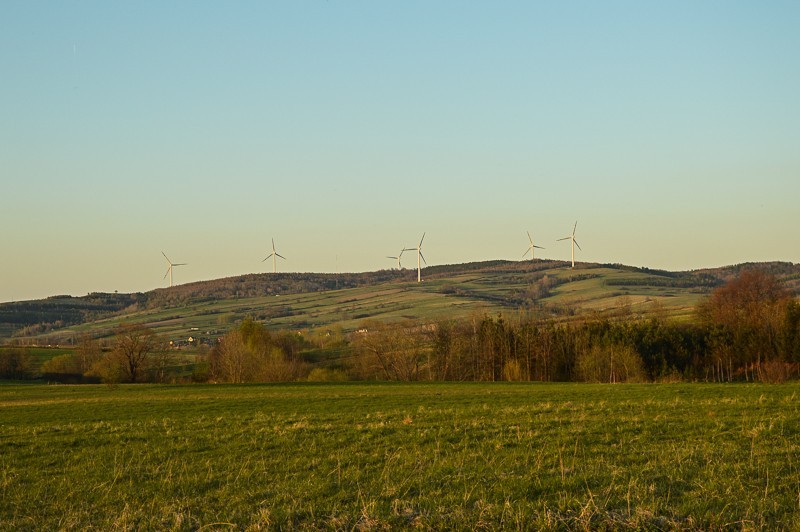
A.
x: 249, y: 353
x: 231, y: 360
x: 749, y: 314
x: 135, y: 346
x: 87, y: 353
x: 394, y: 351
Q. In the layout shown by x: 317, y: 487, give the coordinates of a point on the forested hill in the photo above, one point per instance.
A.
x: 494, y: 284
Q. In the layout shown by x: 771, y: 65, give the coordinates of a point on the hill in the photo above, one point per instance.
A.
x: 310, y: 300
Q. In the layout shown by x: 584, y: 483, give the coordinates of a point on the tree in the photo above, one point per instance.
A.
x: 611, y: 363
x: 159, y: 364
x: 73, y: 367
x: 231, y: 359
x: 791, y: 333
x: 87, y: 353
x: 747, y: 316
x: 135, y: 346
x: 396, y: 352
x: 248, y: 354
x: 15, y: 363
x: 62, y: 365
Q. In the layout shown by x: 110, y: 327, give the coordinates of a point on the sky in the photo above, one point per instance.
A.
x: 345, y: 130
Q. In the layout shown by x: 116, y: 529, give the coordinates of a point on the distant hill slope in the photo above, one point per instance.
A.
x: 309, y: 300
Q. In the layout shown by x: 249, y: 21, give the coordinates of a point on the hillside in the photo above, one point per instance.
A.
x: 308, y: 300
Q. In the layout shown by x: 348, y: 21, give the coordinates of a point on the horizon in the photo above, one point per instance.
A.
x: 579, y: 265
x: 344, y: 131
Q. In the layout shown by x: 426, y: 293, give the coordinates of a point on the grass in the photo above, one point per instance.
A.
x: 346, y: 308
x: 598, y: 294
x: 454, y: 296
x: 373, y: 456
x: 40, y: 355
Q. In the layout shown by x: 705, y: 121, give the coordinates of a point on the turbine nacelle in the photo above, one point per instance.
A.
x: 531, y: 247
x: 274, y: 256
x: 397, y: 258
x: 574, y: 242
x: 171, y: 265
x: 418, y: 249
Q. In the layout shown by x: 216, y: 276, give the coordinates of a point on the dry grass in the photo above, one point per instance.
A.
x: 375, y: 456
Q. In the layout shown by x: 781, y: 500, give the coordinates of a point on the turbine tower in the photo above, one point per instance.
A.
x: 171, y: 265
x: 418, y: 249
x: 397, y: 258
x: 574, y: 243
x: 274, y: 256
x: 531, y: 247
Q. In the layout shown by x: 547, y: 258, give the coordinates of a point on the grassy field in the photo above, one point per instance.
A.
x: 453, y: 296
x: 343, y: 308
x: 373, y: 456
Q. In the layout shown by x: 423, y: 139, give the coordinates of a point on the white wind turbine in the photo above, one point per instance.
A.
x: 171, y: 265
x: 574, y: 243
x: 418, y: 249
x: 274, y: 256
x: 531, y: 247
x: 397, y: 258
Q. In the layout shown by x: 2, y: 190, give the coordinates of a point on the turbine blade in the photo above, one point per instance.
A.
x: 165, y: 256
x: 539, y: 247
x: 529, y: 237
x: 168, y: 269
x: 421, y: 239
x: 395, y: 258
x: 575, y: 227
x: 576, y: 243
x: 273, y: 245
x: 180, y: 264
x: 268, y: 257
x: 565, y: 238
x: 281, y: 256
x: 423, y: 258
x: 526, y: 252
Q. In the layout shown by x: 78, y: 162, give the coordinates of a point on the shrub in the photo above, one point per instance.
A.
x: 614, y: 363
x: 15, y: 364
x: 327, y: 375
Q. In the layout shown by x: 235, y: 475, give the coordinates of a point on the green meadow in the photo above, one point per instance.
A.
x: 594, y: 289
x: 377, y: 456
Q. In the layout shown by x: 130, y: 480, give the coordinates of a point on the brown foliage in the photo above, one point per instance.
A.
x: 395, y: 352
x: 249, y: 354
x: 747, y: 317
x: 135, y: 346
x: 753, y: 299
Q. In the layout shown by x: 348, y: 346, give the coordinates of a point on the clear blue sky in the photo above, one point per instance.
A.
x: 669, y: 130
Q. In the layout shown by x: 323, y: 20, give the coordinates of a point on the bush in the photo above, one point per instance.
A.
x: 15, y: 364
x: 66, y: 364
x: 201, y: 371
x: 512, y: 371
x: 613, y: 363
x: 776, y: 371
x: 327, y: 375
x: 108, y: 369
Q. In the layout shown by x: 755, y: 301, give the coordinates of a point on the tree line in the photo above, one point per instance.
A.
x: 746, y: 330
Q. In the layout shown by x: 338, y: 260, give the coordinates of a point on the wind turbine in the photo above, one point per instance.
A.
x: 574, y: 243
x: 171, y: 265
x: 274, y: 256
x: 418, y: 249
x: 531, y: 247
x: 399, y: 267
